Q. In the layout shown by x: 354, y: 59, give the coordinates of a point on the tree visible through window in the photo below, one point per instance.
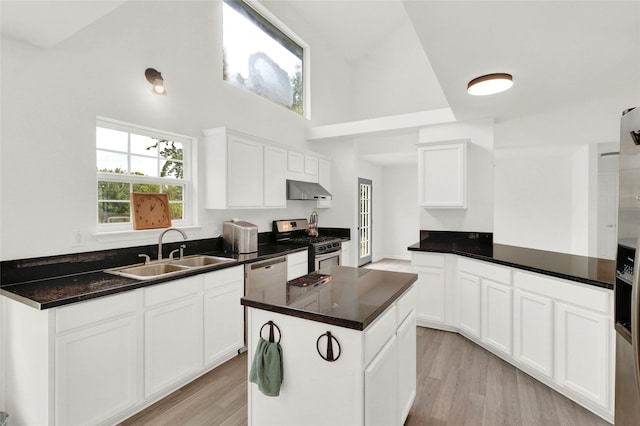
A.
x: 128, y: 161
x: 260, y: 58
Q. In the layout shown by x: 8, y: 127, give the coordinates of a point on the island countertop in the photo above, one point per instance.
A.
x: 342, y: 296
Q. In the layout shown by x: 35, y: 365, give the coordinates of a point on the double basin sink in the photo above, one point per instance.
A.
x: 169, y: 267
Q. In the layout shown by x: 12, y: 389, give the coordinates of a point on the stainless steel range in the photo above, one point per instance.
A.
x: 323, y: 249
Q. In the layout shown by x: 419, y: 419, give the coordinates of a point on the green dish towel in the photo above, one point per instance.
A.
x: 266, y: 368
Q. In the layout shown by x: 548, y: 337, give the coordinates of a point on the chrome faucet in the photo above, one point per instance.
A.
x: 162, y: 236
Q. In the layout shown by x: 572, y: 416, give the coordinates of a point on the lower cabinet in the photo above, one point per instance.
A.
x: 172, y: 342
x: 345, y: 258
x: 406, y: 366
x: 469, y: 304
x: 96, y: 371
x: 380, y: 394
x: 101, y: 360
x: 559, y: 331
x: 433, y: 291
x: 533, y: 325
x: 223, y: 315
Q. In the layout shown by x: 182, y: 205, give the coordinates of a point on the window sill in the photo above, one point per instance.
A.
x: 144, y: 234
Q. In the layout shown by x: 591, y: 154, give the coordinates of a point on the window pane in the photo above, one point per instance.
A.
x: 171, y: 149
x: 176, y: 211
x: 111, y: 139
x: 260, y: 58
x: 146, y: 187
x: 110, y: 191
x: 171, y: 169
x: 111, y: 162
x: 113, y: 212
x: 144, y: 166
x: 144, y: 145
x: 173, y: 191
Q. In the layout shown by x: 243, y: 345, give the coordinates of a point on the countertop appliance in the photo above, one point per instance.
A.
x: 322, y: 249
x: 240, y: 237
x: 626, y: 288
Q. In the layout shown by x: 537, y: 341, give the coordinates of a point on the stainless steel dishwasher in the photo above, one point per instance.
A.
x: 268, y: 277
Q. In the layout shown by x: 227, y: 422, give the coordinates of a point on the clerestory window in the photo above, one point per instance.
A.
x: 132, y: 158
x: 261, y: 58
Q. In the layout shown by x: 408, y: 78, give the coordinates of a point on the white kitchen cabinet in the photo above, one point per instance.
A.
x: 242, y: 171
x: 433, y: 294
x: 173, y: 330
x: 97, y: 360
x: 295, y: 162
x: 373, y: 382
x: 345, y: 257
x: 442, y: 174
x: 245, y: 172
x: 469, y: 304
x: 275, y: 177
x: 380, y: 387
x: 533, y: 331
x: 297, y: 264
x: 223, y: 315
x: 497, y: 320
x: 406, y: 366
x: 311, y: 165
x: 582, y: 352
x: 324, y: 179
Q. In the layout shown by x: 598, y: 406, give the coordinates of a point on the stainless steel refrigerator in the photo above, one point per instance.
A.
x: 627, y: 287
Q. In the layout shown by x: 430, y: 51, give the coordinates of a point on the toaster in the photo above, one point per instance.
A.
x: 240, y: 237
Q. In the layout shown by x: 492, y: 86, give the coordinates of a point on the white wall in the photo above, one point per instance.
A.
x: 51, y: 97
x: 478, y: 216
x: 537, y: 201
x: 401, y: 213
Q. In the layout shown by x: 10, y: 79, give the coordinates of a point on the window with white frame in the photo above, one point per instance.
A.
x: 132, y: 158
x: 259, y: 57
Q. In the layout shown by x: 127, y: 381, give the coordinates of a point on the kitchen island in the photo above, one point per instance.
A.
x: 348, y: 344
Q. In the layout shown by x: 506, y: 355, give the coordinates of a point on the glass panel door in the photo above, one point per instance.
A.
x: 364, y: 221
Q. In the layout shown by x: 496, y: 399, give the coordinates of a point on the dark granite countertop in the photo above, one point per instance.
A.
x: 353, y: 298
x: 587, y: 270
x: 40, y: 291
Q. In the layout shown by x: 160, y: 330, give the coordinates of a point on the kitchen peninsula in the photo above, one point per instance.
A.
x: 348, y: 347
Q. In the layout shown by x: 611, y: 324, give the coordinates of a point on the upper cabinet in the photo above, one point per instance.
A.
x: 246, y: 172
x: 242, y: 171
x: 442, y: 174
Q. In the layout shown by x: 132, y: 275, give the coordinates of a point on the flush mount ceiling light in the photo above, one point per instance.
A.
x: 155, y: 78
x: 489, y: 84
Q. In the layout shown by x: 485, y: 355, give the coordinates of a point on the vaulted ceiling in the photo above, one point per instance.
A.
x: 575, y: 64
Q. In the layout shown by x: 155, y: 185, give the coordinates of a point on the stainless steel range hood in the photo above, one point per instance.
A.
x: 298, y: 190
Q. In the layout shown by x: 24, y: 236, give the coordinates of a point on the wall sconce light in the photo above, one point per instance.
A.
x: 155, y: 78
x: 490, y: 84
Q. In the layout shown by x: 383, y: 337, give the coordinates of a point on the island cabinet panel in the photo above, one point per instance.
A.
x: 314, y: 391
x: 380, y: 387
x: 372, y: 382
x: 223, y: 315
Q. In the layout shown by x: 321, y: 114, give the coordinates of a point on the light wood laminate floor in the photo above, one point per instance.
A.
x: 458, y: 383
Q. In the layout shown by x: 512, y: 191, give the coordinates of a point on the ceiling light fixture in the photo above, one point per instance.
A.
x: 490, y: 84
x: 155, y: 78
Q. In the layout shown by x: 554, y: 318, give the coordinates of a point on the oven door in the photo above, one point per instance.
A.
x: 328, y: 259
